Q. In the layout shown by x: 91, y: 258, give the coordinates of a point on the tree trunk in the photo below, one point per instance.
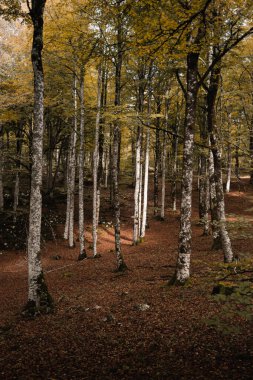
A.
x: 229, y: 169
x: 183, y: 263
x: 69, y: 225
x: 212, y: 129
x: 39, y: 299
x: 19, y: 136
x: 147, y: 157
x: 213, y: 206
x: 251, y: 153
x: 82, y: 252
x: 174, y: 170
x: 1, y: 170
x: 137, y: 191
x: 157, y: 158
x: 163, y: 177
x: 121, y: 266
x: 95, y: 169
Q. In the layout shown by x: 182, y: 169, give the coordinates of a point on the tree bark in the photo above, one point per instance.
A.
x: 82, y: 252
x: 163, y: 177
x: 121, y: 266
x: 69, y: 225
x: 157, y: 158
x: 39, y: 299
x: 95, y: 168
x: 183, y: 263
x: 212, y: 129
x: 1, y: 170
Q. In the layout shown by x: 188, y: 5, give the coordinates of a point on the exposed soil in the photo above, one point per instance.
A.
x: 108, y: 325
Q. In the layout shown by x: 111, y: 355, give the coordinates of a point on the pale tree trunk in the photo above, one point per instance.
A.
x: 140, y: 196
x: 101, y: 136
x: 157, y: 158
x: 251, y: 153
x: 69, y: 225
x: 82, y: 252
x: 212, y: 128
x: 174, y: 169
x: 184, y: 254
x: 147, y: 158
x: 229, y: 169
x: 1, y: 170
x: 107, y: 160
x: 137, y: 186
x: 95, y: 169
x: 163, y: 177
x: 213, y: 206
x: 39, y: 299
x: 145, y: 188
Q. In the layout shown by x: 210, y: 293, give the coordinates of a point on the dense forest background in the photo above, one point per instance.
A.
x: 125, y: 127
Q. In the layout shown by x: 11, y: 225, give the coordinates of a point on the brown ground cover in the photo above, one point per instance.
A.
x: 108, y: 325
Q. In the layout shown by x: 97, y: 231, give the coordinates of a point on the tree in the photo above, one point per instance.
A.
x: 39, y: 300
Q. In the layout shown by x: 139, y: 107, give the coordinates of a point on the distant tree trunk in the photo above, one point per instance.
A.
x: 157, y: 158
x: 95, y: 168
x: 50, y: 159
x: 1, y: 170
x: 82, y: 252
x: 164, y: 153
x: 237, y: 162
x: 69, y: 225
x: 19, y: 136
x: 251, y: 153
x: 212, y: 128
x: 213, y: 206
x: 147, y: 157
x: 133, y: 157
x: 229, y: 169
x: 39, y: 299
x: 174, y: 169
x: 184, y: 254
x: 137, y: 186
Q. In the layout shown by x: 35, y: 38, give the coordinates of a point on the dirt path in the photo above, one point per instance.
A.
x: 99, y: 330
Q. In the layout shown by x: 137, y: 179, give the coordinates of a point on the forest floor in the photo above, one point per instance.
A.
x: 108, y: 325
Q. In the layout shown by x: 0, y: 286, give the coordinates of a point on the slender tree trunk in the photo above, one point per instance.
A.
x: 174, y: 170
x: 39, y: 299
x: 121, y: 266
x: 237, y: 161
x: 251, y: 153
x: 137, y: 186
x: 50, y: 160
x: 95, y: 169
x: 1, y: 170
x: 69, y: 225
x: 163, y: 178
x: 184, y: 254
x: 19, y: 137
x: 147, y: 157
x: 82, y: 252
x: 157, y: 158
x: 213, y: 206
x: 229, y: 169
x: 212, y: 128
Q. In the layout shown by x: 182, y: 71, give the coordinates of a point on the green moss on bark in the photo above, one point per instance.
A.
x: 45, y: 303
